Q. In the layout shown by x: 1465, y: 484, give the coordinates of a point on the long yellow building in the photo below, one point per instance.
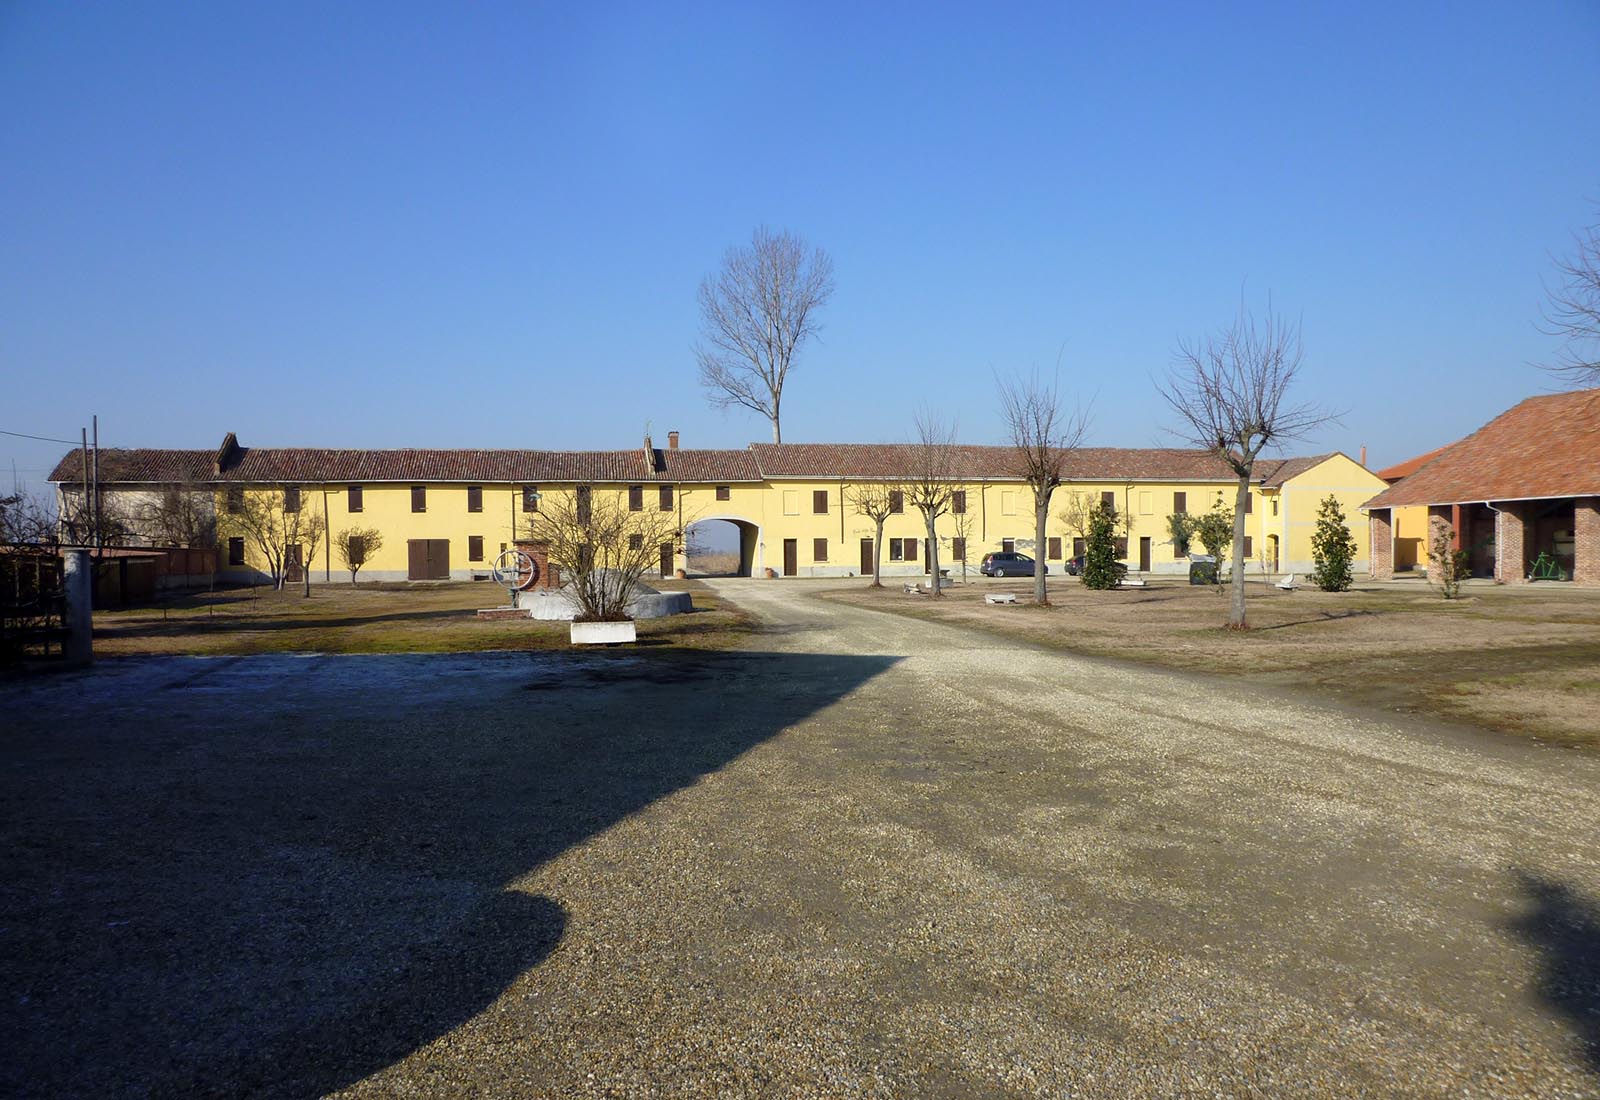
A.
x: 446, y: 514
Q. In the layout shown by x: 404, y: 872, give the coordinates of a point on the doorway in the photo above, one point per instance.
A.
x: 1144, y: 554
x: 427, y: 559
x: 294, y: 570
x: 866, y: 557
x: 791, y: 557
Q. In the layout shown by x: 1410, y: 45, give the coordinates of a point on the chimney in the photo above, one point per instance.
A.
x: 672, y: 441
x: 1363, y: 454
x: 227, y: 454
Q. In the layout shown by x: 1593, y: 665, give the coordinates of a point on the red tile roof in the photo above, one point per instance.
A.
x: 1410, y: 466
x: 1546, y: 447
x: 275, y: 465
x: 307, y: 465
x: 977, y: 463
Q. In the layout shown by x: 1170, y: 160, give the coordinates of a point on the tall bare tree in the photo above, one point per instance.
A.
x: 1044, y: 434
x: 755, y: 313
x: 876, y: 501
x: 1573, y: 310
x: 181, y: 514
x: 274, y: 524
x: 1229, y: 393
x: 930, y: 483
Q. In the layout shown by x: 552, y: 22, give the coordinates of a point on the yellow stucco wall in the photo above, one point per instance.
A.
x: 779, y: 510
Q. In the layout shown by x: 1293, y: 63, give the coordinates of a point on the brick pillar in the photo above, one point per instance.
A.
x: 1586, y: 541
x: 1382, y: 551
x: 1511, y: 544
x: 1438, y: 523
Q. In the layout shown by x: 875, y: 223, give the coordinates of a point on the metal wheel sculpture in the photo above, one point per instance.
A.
x: 515, y: 571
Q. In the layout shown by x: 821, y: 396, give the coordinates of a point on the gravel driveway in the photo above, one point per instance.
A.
x: 877, y: 857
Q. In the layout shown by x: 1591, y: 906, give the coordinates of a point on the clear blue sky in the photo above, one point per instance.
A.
x: 484, y: 225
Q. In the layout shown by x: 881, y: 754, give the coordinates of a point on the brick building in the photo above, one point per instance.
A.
x: 1524, y: 486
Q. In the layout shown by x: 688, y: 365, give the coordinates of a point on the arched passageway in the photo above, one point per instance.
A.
x: 721, y: 546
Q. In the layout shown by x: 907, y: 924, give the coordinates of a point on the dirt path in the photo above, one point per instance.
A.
x: 871, y: 856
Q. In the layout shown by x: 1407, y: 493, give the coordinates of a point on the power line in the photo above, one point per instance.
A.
x: 41, y: 438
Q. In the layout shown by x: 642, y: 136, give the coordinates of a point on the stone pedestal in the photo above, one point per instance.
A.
x: 77, y: 583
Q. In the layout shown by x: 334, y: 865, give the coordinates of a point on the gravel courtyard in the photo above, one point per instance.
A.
x: 867, y: 856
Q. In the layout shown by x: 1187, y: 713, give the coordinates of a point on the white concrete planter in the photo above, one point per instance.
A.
x: 603, y: 633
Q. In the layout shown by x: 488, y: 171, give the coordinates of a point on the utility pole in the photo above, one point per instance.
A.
x: 99, y: 540
x: 83, y: 512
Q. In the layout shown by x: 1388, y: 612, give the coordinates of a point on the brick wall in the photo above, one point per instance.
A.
x: 1511, y: 543
x: 1382, y: 544
x: 1438, y: 523
x: 1586, y: 541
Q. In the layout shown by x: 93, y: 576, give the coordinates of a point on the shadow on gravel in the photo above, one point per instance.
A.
x: 284, y: 875
x: 1564, y: 926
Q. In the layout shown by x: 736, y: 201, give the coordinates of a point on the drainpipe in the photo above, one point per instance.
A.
x: 1496, y: 512
x: 327, y: 541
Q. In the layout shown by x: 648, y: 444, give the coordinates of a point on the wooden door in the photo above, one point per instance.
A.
x: 293, y: 566
x: 416, y: 559
x: 1144, y: 554
x: 866, y: 557
x: 666, y: 559
x: 791, y: 557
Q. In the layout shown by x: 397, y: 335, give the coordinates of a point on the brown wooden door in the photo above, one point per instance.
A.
x: 438, y: 559
x: 293, y: 567
x: 791, y: 557
x: 427, y: 559
x: 1144, y: 554
x: 416, y: 559
x: 666, y: 559
x: 866, y: 557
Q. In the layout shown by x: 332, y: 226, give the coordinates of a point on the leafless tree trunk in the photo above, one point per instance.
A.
x: 355, y: 545
x: 755, y: 313
x: 1573, y: 311
x: 874, y: 500
x: 182, y: 514
x: 1043, y: 436
x: 931, y: 482
x: 1228, y: 393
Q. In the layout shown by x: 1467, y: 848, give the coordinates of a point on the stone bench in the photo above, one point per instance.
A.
x: 1000, y: 597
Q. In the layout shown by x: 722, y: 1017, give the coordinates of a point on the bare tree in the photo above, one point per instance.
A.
x: 355, y: 545
x: 1043, y: 437
x: 1573, y: 310
x: 1229, y: 394
x: 755, y: 313
x: 602, y: 548
x: 963, y: 526
x: 876, y: 500
x: 272, y: 522
x: 182, y: 514
x: 930, y: 483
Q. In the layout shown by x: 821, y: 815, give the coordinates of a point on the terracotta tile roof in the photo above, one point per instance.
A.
x: 1274, y: 472
x: 977, y: 463
x: 1410, y: 466
x: 1546, y: 447
x: 307, y: 465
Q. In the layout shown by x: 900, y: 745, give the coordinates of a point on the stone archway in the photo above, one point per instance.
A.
x: 735, y: 548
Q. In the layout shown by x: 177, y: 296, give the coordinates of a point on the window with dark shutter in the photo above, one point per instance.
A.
x: 636, y: 498
x: 1008, y: 546
x: 958, y: 548
x: 236, y: 551
x: 724, y: 492
x: 530, y: 498
x: 1180, y: 503
x: 475, y: 500
x: 1054, y: 548
x: 1079, y: 547
x: 1249, y: 544
x: 1249, y: 503
x: 896, y: 550
x: 291, y: 498
x: 897, y: 501
x: 474, y: 547
x: 235, y: 503
x: 353, y: 499
x: 419, y: 498
x: 819, y: 502
x: 636, y: 541
x: 958, y: 502
x: 1108, y: 501
x: 911, y: 549
x: 583, y: 504
x: 665, y: 494
x: 819, y: 549
x: 357, y: 546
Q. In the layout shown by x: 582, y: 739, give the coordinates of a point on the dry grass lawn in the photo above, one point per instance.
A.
x: 1523, y: 660
x: 377, y: 618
